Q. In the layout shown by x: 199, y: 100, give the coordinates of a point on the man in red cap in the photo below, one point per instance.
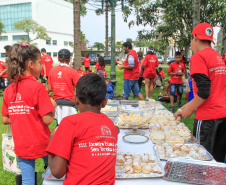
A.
x: 208, y: 73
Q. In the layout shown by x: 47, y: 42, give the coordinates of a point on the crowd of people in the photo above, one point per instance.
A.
x: 69, y: 149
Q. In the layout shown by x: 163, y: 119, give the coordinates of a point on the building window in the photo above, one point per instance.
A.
x: 65, y: 43
x: 3, y: 55
x: 13, y: 13
x: 54, y: 42
x: 54, y: 54
x: 48, y: 53
x: 20, y: 37
x: 70, y: 43
x: 48, y: 42
x: 3, y: 37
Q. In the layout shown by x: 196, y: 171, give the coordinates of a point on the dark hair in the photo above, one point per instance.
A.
x: 87, y: 55
x: 140, y: 55
x: 181, y: 50
x: 91, y: 89
x: 160, y: 68
x: 101, y: 61
x: 43, y: 50
x: 107, y: 79
x: 64, y: 55
x: 177, y: 53
x: 150, y: 52
x: 7, y: 47
x: 168, y: 81
x: 18, y: 59
x: 128, y: 44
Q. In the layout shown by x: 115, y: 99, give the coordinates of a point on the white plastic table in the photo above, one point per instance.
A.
x: 133, y: 148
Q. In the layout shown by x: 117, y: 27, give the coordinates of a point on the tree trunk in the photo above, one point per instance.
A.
x: 77, y: 34
x: 106, y: 19
x: 166, y: 53
x: 196, y: 12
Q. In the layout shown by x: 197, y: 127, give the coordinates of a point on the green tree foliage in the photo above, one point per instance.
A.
x: 118, y: 45
x: 98, y: 45
x: 83, y: 10
x: 30, y: 26
x: 129, y: 39
x: 1, y: 27
x: 174, y: 17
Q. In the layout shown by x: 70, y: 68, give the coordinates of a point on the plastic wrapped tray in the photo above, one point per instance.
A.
x: 207, y: 157
x: 193, y: 171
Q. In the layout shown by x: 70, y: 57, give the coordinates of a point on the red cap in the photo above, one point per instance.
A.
x: 204, y: 31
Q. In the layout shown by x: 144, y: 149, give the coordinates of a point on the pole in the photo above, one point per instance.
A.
x: 113, y: 72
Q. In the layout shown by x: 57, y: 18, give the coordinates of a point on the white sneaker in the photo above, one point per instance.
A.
x: 147, y: 99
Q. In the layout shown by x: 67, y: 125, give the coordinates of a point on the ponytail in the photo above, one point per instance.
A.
x: 18, y: 59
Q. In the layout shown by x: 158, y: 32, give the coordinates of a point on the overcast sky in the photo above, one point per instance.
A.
x: 94, y: 26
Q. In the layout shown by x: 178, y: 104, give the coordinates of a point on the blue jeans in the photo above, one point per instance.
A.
x: 28, y: 170
x: 129, y: 85
x: 176, y: 88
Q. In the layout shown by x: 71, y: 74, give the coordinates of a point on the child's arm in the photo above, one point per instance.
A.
x: 48, y: 118
x: 3, y: 72
x: 57, y: 164
x: 6, y: 120
x: 50, y: 88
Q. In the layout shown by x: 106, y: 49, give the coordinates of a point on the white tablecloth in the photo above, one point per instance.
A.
x: 133, y: 148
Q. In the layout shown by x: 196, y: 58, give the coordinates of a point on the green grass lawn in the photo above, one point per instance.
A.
x: 7, y: 178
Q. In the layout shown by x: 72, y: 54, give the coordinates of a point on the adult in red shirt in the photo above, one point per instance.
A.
x: 84, y: 145
x: 28, y: 108
x: 176, y: 71
x: 62, y: 82
x: 208, y: 74
x: 150, y: 64
x: 3, y: 73
x: 46, y: 62
x: 86, y: 62
x: 131, y: 72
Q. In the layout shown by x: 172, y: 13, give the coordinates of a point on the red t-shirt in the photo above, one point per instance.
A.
x: 132, y: 74
x: 81, y: 72
x: 25, y: 104
x: 2, y: 68
x: 173, y: 68
x: 151, y: 62
x: 86, y: 62
x: 88, y: 141
x: 225, y: 60
x: 162, y: 74
x: 63, y: 80
x: 47, y: 61
x: 99, y: 67
x: 87, y: 72
x: 210, y: 63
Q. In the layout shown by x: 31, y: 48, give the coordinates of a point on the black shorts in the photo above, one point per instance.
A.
x: 212, y: 135
x: 42, y: 79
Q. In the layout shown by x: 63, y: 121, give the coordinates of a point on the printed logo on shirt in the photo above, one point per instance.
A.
x: 219, y: 60
x: 105, y: 130
x: 47, y: 59
x: 59, y: 75
x: 209, y: 31
x: 18, y: 97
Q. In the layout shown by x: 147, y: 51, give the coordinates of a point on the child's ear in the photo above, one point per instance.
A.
x: 104, y: 102
x: 76, y: 100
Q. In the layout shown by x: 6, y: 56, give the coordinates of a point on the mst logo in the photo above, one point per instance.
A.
x: 105, y: 130
x: 18, y: 97
x: 209, y: 31
x: 59, y: 75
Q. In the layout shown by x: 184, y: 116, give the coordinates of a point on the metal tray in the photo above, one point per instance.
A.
x: 121, y: 175
x: 209, y: 157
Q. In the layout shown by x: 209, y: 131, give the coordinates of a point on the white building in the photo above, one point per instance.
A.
x: 55, y: 15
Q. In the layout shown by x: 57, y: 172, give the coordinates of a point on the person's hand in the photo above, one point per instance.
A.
x: 186, y: 113
x: 54, y: 103
x: 44, y: 76
x: 120, y: 62
x: 120, y: 66
x: 52, y: 134
x: 4, y: 64
x: 178, y: 113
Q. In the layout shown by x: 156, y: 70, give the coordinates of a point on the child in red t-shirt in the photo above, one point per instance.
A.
x: 89, y: 70
x: 161, y: 73
x: 165, y: 95
x: 84, y: 145
x: 176, y: 71
x: 86, y: 62
x: 62, y: 82
x: 150, y: 64
x: 3, y: 73
x: 81, y: 72
x: 209, y: 103
x: 28, y: 108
